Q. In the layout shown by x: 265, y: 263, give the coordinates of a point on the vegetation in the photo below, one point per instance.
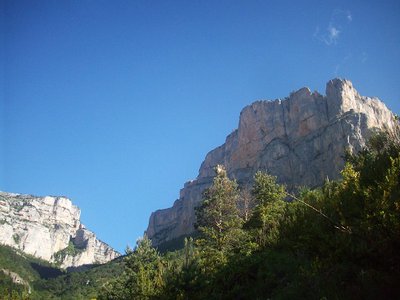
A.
x: 340, y: 241
x: 45, y: 281
x: 78, y: 284
x: 70, y: 250
x: 16, y: 238
x: 27, y: 267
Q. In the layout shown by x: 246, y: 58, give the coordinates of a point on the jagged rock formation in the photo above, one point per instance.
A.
x: 49, y: 228
x: 301, y: 139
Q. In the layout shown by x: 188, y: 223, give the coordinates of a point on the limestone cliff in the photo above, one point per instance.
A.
x: 50, y: 228
x: 301, y: 139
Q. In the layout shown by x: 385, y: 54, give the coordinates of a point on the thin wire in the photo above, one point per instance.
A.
x: 335, y: 224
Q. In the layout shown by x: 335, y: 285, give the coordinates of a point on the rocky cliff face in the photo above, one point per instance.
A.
x: 49, y: 228
x: 301, y: 139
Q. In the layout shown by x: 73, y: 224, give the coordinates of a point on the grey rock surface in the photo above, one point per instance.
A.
x: 49, y: 228
x: 300, y: 139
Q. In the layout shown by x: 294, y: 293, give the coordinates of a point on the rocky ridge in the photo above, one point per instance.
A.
x: 49, y: 228
x: 301, y: 139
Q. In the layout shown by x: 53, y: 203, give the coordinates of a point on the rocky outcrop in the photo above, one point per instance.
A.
x: 49, y: 228
x: 15, y: 278
x: 301, y: 139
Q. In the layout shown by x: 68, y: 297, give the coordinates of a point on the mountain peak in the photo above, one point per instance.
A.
x: 300, y: 139
x: 49, y: 228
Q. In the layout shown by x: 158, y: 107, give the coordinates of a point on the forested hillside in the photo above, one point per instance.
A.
x: 25, y: 277
x: 340, y: 241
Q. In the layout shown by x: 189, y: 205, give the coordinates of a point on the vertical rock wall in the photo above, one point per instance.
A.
x: 301, y: 139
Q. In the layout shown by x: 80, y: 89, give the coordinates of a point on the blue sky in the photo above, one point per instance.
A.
x: 116, y: 103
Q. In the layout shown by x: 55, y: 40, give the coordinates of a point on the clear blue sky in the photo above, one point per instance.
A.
x: 116, y: 103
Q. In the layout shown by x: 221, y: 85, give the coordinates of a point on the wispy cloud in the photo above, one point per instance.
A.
x: 330, y: 36
x: 349, y: 16
x: 333, y: 35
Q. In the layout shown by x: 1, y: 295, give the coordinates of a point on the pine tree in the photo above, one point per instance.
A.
x: 144, y: 268
x: 143, y: 275
x: 269, y: 210
x: 218, y: 217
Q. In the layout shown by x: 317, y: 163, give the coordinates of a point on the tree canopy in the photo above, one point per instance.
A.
x: 339, y: 241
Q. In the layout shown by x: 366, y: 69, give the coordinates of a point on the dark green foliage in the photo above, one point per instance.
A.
x: 12, y: 290
x: 266, y: 189
x: 341, y: 241
x: 47, y: 282
x: 184, y: 278
x: 143, y: 275
x: 20, y: 263
x: 269, y: 210
x: 175, y: 244
x: 219, y: 225
x: 218, y: 216
x: 79, y: 285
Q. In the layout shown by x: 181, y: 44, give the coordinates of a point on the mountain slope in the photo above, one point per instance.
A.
x: 23, y: 274
x: 301, y: 139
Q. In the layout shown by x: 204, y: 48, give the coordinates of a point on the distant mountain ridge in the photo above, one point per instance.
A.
x: 301, y: 139
x: 49, y: 228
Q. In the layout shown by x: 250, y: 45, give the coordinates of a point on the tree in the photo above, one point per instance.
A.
x: 246, y: 203
x: 143, y: 275
x: 218, y: 216
x: 182, y: 276
x: 269, y: 210
x: 144, y: 268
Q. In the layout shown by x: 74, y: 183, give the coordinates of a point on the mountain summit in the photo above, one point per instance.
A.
x: 300, y: 139
x: 49, y: 228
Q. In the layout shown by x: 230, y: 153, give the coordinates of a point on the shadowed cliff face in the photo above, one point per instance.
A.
x: 50, y: 228
x: 301, y: 139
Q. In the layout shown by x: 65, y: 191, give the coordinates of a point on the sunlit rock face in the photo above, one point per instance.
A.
x: 301, y: 139
x: 50, y: 228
